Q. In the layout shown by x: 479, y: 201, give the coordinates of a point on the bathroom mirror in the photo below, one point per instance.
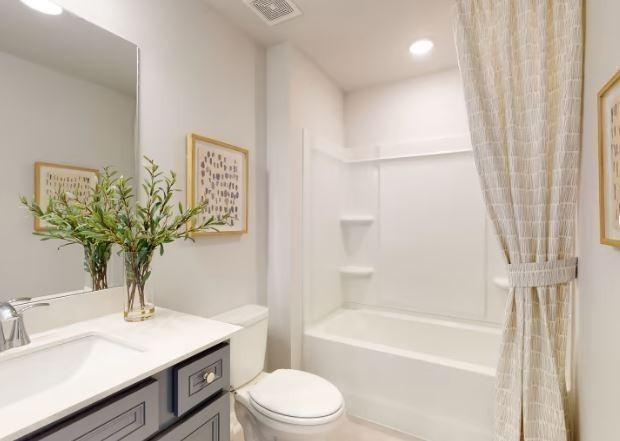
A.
x: 68, y: 98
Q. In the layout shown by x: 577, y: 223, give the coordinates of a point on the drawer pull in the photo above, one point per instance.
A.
x: 209, y: 377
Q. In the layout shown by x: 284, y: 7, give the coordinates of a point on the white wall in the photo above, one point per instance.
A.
x: 46, y: 115
x: 198, y: 74
x: 432, y: 257
x: 598, y: 351
x: 428, y: 106
x: 300, y: 96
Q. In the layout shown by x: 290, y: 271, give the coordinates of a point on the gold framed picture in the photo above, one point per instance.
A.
x: 50, y: 179
x: 609, y: 161
x: 218, y: 173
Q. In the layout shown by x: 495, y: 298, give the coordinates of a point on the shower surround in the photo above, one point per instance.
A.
x: 400, y: 308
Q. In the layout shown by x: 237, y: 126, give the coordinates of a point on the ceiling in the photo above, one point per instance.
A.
x: 69, y: 44
x: 358, y: 43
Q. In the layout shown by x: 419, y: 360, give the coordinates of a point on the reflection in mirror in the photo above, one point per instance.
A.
x: 68, y: 102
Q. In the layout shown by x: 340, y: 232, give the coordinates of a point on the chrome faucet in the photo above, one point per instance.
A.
x: 11, y: 313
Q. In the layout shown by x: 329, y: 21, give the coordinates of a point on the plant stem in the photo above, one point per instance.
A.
x: 137, y: 271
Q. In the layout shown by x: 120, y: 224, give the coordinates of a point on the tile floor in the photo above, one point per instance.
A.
x: 358, y: 430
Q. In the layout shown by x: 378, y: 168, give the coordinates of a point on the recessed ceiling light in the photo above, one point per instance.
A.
x: 421, y: 47
x: 45, y: 6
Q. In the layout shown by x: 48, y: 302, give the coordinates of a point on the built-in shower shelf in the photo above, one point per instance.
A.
x: 357, y: 271
x: 501, y: 282
x: 357, y: 220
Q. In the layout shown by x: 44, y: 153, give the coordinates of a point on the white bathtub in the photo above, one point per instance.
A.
x: 428, y: 377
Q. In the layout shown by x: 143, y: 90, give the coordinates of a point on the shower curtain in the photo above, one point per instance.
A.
x: 521, y: 65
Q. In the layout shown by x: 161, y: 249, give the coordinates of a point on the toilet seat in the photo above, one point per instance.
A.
x: 296, y: 421
x: 294, y: 397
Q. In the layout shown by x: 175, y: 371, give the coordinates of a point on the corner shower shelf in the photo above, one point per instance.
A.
x: 501, y: 282
x: 357, y: 271
x: 357, y: 220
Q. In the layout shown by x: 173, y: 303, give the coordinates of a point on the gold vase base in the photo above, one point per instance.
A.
x: 141, y: 314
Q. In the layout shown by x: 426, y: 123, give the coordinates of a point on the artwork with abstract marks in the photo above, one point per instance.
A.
x: 614, y: 153
x: 52, y: 179
x: 609, y: 161
x: 219, y: 177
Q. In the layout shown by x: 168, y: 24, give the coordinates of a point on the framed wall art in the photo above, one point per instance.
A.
x: 609, y: 161
x: 218, y: 172
x: 50, y: 179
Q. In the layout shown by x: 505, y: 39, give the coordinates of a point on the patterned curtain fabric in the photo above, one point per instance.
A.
x: 521, y: 64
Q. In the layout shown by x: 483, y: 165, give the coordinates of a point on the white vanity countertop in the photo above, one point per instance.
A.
x: 151, y: 346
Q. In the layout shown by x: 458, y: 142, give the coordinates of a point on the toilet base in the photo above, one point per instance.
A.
x: 255, y: 430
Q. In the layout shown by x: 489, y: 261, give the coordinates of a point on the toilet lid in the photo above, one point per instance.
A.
x: 297, y: 394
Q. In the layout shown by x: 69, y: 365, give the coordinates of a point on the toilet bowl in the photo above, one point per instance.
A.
x: 285, y: 405
x: 288, y: 405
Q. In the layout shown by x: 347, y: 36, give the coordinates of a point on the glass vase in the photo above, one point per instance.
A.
x: 96, y: 257
x: 139, y: 298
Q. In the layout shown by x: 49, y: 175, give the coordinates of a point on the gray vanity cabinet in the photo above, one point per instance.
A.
x: 199, y: 378
x: 131, y: 416
x: 209, y: 423
x: 186, y: 402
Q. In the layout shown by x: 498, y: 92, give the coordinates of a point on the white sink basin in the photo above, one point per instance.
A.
x: 81, y: 358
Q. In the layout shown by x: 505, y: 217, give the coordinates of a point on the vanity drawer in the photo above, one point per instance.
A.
x: 131, y: 416
x: 201, y: 377
x: 209, y: 423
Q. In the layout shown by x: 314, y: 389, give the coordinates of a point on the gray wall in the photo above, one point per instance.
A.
x: 198, y: 74
x: 300, y: 97
x: 598, y: 350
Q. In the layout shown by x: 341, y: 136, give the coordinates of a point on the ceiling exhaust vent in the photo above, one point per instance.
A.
x: 274, y: 12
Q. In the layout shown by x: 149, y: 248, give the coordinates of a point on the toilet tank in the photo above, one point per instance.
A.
x: 248, y: 346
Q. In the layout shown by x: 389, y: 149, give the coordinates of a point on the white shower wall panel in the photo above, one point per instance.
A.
x: 360, y: 192
x: 432, y: 234
x: 323, y: 254
x: 432, y: 256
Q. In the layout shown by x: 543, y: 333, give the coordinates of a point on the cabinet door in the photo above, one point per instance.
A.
x: 129, y: 416
x: 208, y: 423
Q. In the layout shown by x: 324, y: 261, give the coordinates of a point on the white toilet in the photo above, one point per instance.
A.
x: 285, y: 405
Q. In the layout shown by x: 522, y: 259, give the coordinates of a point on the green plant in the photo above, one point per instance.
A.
x: 66, y: 219
x: 141, y: 228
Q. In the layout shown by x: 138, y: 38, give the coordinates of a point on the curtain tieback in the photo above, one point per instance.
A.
x: 555, y: 272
